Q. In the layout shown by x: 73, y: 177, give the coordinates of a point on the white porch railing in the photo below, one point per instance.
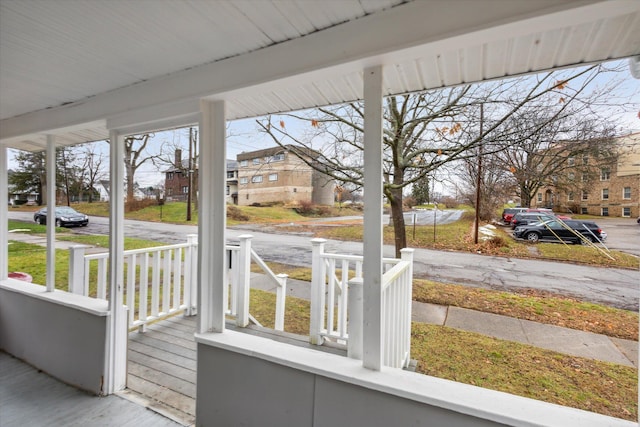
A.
x: 162, y: 281
x: 336, y: 302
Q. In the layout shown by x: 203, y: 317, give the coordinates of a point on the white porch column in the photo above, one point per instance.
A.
x: 372, y: 263
x: 212, y: 217
x: 50, y: 167
x: 4, y: 215
x: 116, y: 357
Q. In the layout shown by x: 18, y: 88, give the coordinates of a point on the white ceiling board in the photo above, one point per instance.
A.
x: 117, y: 61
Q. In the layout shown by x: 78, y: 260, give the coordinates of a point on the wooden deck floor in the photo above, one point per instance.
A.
x: 32, y: 398
x: 162, y: 368
x: 162, y: 364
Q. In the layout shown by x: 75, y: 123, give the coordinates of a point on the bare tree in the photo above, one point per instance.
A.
x: 135, y: 155
x: 93, y: 167
x: 424, y: 131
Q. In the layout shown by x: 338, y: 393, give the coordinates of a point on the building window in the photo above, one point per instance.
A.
x: 584, y: 211
x: 585, y: 177
x: 295, y: 190
x: 256, y: 178
x: 243, y: 163
x: 244, y: 180
x: 571, y: 176
x: 585, y: 159
x: 273, y: 177
x: 278, y: 157
x: 539, y: 197
x: 570, y: 196
x: 228, y: 190
x: 256, y: 161
x: 605, y: 174
x: 231, y: 174
x: 571, y: 161
x: 626, y: 212
x: 169, y: 191
x: 605, y: 194
x: 585, y: 195
x: 185, y: 189
x: 605, y: 211
x: 169, y: 175
x: 626, y: 193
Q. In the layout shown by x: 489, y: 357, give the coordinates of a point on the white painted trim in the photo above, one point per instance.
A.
x: 116, y: 357
x: 4, y: 214
x: 95, y: 306
x: 50, y: 167
x: 372, y: 354
x: 462, y: 398
x: 212, y: 217
x: 156, y: 117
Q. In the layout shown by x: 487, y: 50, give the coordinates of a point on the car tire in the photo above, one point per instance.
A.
x: 39, y: 220
x: 587, y: 240
x: 532, y: 237
x: 58, y: 223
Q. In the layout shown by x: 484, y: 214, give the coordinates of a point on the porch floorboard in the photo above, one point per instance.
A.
x: 162, y: 364
x: 29, y: 397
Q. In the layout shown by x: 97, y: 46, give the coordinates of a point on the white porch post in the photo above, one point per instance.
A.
x: 4, y: 215
x: 50, y: 167
x: 372, y: 261
x: 116, y: 357
x: 212, y: 217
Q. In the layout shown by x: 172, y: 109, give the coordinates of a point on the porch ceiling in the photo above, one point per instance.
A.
x: 75, y: 69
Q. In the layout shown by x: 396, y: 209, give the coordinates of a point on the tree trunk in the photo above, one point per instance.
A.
x: 397, y: 217
x: 129, y: 173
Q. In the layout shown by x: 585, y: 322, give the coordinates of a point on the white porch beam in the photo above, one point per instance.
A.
x: 116, y: 357
x: 212, y: 217
x: 50, y: 167
x: 372, y: 263
x: 4, y: 215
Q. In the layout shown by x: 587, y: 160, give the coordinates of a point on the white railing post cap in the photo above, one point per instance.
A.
x: 318, y: 241
x: 245, y: 236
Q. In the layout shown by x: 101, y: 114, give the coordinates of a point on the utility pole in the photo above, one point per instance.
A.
x: 190, y: 174
x: 479, y: 179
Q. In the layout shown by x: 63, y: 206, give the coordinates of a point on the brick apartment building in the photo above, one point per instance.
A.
x: 176, y: 180
x: 278, y: 175
x: 615, y: 191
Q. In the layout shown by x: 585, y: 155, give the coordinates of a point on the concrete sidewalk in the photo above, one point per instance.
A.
x: 556, y: 338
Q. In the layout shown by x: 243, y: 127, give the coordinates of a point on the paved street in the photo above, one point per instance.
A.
x: 616, y: 287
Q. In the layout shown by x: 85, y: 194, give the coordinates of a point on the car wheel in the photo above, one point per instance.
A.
x: 586, y: 240
x: 532, y: 237
x: 58, y: 223
x: 40, y: 220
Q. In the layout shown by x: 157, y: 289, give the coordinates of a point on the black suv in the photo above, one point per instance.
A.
x: 572, y: 231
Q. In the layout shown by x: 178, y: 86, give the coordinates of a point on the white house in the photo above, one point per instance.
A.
x: 222, y: 61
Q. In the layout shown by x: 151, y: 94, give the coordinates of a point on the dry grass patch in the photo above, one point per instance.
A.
x: 524, y: 370
x: 533, y: 305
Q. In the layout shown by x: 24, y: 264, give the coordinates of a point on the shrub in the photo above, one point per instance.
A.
x: 233, y: 212
x: 449, y: 202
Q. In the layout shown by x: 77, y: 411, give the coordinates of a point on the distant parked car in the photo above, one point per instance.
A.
x: 508, y: 213
x: 572, y: 231
x: 65, y: 217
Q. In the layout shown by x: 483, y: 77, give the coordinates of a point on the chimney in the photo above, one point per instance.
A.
x: 178, y: 158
